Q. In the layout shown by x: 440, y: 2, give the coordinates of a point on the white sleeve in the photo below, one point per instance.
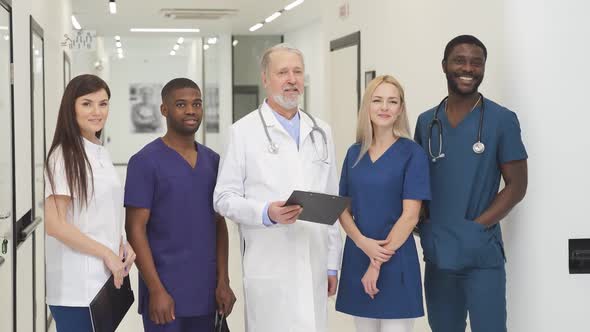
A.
x: 229, y: 196
x: 334, y: 235
x: 56, y: 166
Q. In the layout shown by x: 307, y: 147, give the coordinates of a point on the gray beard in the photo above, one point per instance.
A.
x: 285, y: 103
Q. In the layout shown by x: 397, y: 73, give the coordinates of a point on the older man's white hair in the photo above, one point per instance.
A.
x: 265, y: 60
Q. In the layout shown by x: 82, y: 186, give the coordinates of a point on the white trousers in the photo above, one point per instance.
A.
x: 383, y: 325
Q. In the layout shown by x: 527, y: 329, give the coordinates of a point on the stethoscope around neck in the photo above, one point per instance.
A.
x: 478, y: 146
x: 273, y: 147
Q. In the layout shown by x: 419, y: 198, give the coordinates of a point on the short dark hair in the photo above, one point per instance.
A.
x: 176, y: 84
x: 464, y: 39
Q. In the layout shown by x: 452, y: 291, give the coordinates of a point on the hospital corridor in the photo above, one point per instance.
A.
x: 103, y: 98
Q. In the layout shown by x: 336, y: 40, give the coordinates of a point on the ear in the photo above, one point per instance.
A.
x: 263, y: 78
x: 164, y: 110
x: 444, y: 66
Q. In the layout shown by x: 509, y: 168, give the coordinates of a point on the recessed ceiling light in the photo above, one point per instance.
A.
x: 272, y: 17
x: 162, y: 30
x: 120, y: 50
x: 112, y: 6
x: 206, y: 47
x: 176, y: 47
x: 118, y: 44
x: 256, y: 27
x: 293, y: 4
x: 235, y: 42
x: 212, y: 40
x: 172, y: 53
x: 75, y: 23
x: 120, y: 55
x: 180, y: 41
x: 117, y: 37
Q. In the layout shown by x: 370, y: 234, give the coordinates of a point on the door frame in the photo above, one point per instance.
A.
x: 7, y: 5
x: 353, y: 39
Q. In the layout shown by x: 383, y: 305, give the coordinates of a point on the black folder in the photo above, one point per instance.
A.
x: 110, y: 305
x: 317, y: 207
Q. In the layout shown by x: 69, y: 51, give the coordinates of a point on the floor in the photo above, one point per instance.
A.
x: 337, y: 321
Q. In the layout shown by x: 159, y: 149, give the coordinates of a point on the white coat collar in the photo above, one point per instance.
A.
x: 305, y: 124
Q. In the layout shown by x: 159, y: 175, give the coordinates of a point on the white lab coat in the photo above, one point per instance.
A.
x: 284, y: 266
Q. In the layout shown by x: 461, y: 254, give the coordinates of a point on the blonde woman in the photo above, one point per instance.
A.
x: 386, y: 175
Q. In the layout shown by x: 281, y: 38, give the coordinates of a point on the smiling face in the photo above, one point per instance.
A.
x: 183, y: 110
x: 284, y: 79
x: 92, y: 111
x: 386, y: 106
x: 464, y: 68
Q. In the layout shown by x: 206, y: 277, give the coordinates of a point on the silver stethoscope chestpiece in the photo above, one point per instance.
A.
x: 273, y: 148
x: 479, y: 147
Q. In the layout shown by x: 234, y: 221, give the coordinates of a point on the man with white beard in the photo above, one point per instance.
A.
x: 289, y: 266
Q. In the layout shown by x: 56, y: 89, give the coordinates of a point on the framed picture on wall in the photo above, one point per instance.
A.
x: 369, y: 76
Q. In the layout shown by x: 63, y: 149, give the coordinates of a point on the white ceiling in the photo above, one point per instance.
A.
x: 94, y: 15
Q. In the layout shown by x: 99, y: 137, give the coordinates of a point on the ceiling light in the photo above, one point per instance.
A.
x: 176, y: 47
x: 256, y: 27
x: 235, y: 42
x: 180, y: 41
x: 120, y: 55
x: 112, y: 6
x: 118, y: 44
x: 293, y: 4
x: 120, y: 50
x: 272, y: 17
x: 162, y: 30
x: 212, y: 40
x: 172, y: 53
x: 75, y: 23
x: 117, y: 38
x: 36, y: 52
x: 205, y: 47
x: 6, y: 37
x: 3, y: 28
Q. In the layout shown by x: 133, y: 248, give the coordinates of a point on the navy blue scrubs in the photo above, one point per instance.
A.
x: 464, y: 260
x: 377, y: 190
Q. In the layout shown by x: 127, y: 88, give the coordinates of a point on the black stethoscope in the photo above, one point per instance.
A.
x: 478, y: 146
x: 273, y: 147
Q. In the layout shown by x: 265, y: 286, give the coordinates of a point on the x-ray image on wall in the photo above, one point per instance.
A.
x: 144, y: 102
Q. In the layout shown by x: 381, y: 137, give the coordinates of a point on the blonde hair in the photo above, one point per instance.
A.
x: 364, y: 129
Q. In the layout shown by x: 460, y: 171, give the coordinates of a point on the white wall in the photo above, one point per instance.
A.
x: 310, y: 40
x: 407, y: 38
x: 546, y: 54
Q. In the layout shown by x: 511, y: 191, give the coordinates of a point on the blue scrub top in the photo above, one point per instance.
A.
x: 464, y: 185
x: 377, y: 190
x: 181, y: 229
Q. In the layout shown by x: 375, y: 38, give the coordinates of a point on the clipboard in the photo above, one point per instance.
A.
x: 110, y: 305
x: 317, y: 207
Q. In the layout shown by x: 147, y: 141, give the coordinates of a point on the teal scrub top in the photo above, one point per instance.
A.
x: 464, y: 185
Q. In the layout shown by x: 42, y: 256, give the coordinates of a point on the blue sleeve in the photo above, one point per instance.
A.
x: 510, y: 145
x: 343, y: 191
x: 139, y: 183
x: 265, y: 218
x: 417, y: 176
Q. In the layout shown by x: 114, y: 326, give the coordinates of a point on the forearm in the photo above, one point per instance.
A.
x: 72, y: 237
x: 222, y: 249
x: 502, y: 204
x: 347, y: 223
x: 145, y: 262
x: 401, y: 231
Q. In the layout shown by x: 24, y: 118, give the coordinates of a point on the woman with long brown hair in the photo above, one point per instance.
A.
x: 386, y: 175
x: 83, y: 207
